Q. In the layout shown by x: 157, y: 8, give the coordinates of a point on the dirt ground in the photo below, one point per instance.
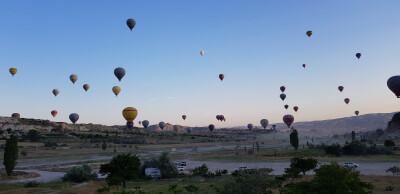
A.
x: 17, y: 175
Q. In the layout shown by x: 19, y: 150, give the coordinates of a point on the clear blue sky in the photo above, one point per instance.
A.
x: 258, y: 45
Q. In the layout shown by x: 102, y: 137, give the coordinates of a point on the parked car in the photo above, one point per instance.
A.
x: 240, y: 168
x: 180, y: 168
x: 350, y: 164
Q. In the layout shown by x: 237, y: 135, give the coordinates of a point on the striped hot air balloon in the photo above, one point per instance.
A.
x: 129, y: 114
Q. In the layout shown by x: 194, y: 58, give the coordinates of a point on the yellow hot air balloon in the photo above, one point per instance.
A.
x: 55, y: 92
x: 129, y: 114
x: 116, y: 90
x: 13, y: 71
x: 73, y: 78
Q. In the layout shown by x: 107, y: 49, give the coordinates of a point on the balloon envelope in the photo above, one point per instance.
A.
x: 286, y: 106
x: 309, y: 33
x: 131, y: 23
x: 16, y: 115
x: 340, y: 88
x: 357, y: 112
x: 13, y: 71
x: 73, y: 78
x: 282, y: 96
x: 250, y: 126
x: 54, y: 113
x: 73, y: 117
x: 161, y: 125
x: 288, y: 120
x: 119, y: 73
x: 201, y: 53
x: 211, y: 127
x: 145, y: 123
x: 129, y: 125
x: 55, y: 92
x: 304, y: 65
x: 184, y: 117
x: 358, y: 55
x: 86, y: 87
x: 129, y: 113
x: 295, y: 108
x: 116, y: 90
x: 282, y: 88
x: 347, y: 100
x: 221, y: 76
x: 393, y: 84
x: 264, y: 123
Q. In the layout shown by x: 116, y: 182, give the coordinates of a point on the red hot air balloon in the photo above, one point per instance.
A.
x: 304, y: 65
x: 54, y: 113
x: 295, y: 108
x: 288, y: 120
x: 346, y: 100
x: 211, y: 127
x: 184, y: 117
x: 340, y: 88
x: 221, y: 76
x: 283, y: 88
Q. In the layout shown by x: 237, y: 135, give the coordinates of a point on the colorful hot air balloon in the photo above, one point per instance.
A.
x: 211, y: 127
x: 131, y: 23
x: 129, y: 113
x: 116, y: 90
x: 201, y: 53
x: 286, y: 106
x: 55, y: 92
x: 393, y: 84
x: 140, y: 122
x: 357, y: 112
x: 304, y: 65
x: 86, y: 87
x: 129, y: 125
x: 288, y: 120
x: 282, y: 96
x: 161, y: 125
x: 73, y: 78
x: 264, y: 123
x: 176, y: 128
x: 119, y: 73
x: 145, y: 123
x: 221, y: 76
x: 358, y: 55
x: 222, y: 117
x: 309, y: 33
x: 346, y: 100
x: 295, y: 108
x: 15, y: 115
x: 282, y: 88
x: 250, y: 126
x: 184, y: 117
x: 340, y: 88
x: 73, y: 117
x: 13, y: 71
x: 54, y: 113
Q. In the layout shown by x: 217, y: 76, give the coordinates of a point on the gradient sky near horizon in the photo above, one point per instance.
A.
x: 258, y: 45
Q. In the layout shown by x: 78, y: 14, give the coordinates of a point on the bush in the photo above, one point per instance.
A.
x: 33, y: 135
x: 191, y: 188
x: 334, y: 149
x: 292, y: 173
x: 80, y: 174
x: 50, y: 144
x: 389, y: 143
x: 104, y: 189
x: 31, y: 184
x: 200, y: 171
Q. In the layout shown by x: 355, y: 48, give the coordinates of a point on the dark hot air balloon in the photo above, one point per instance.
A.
x: 211, y: 127
x: 393, y: 84
x: 286, y: 106
x: 131, y: 23
x: 250, y: 126
x: 282, y: 88
x: 145, y: 123
x: 282, y: 96
x: 295, y: 108
x: 161, y: 125
x: 73, y: 117
x: 358, y: 55
x: 119, y: 73
x: 304, y: 65
x: 15, y: 115
x: 221, y: 76
x: 129, y: 125
x: 309, y: 33
x: 357, y: 112
x: 73, y: 78
x: 346, y: 100
x: 55, y: 92
x: 184, y: 117
x: 86, y: 87
x: 340, y: 88
x: 288, y: 120
x: 264, y: 123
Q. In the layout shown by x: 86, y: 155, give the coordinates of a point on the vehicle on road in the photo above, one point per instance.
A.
x: 180, y: 168
x: 350, y: 164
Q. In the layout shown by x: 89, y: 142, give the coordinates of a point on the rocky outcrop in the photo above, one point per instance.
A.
x: 394, y: 124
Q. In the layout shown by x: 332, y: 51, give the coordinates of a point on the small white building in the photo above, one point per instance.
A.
x: 153, y: 172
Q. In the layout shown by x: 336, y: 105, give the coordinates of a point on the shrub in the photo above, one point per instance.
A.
x: 31, y: 184
x: 200, y: 171
x: 104, y: 189
x: 33, y: 135
x: 389, y: 143
x: 394, y: 170
x: 80, y: 174
x: 334, y: 149
x: 49, y: 144
x: 191, y: 188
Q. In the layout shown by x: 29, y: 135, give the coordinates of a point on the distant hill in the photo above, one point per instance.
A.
x: 365, y: 122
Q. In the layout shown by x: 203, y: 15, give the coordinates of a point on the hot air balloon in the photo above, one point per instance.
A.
x: 357, y: 112
x: 393, y: 84
x: 201, y: 53
x: 295, y: 108
x: 86, y: 87
x: 145, y: 123
x: 189, y: 130
x: 217, y: 117
x: 288, y: 120
x: 73, y: 117
x: 250, y: 126
x: 282, y: 88
x: 309, y: 33
x: 304, y: 65
x: 116, y: 90
x: 55, y: 92
x: 286, y: 106
x: 184, y: 117
x: 283, y: 96
x: 129, y: 125
x: 13, y: 71
x: 54, y: 113
x: 131, y: 23
x: 346, y: 100
x: 161, y: 125
x: 221, y: 76
x: 15, y: 115
x: 140, y: 122
x: 73, y: 78
x: 340, y: 88
x: 358, y: 55
x: 211, y: 127
x: 224, y: 119
x: 264, y: 123
x: 119, y: 73
x: 176, y: 128
x: 129, y: 113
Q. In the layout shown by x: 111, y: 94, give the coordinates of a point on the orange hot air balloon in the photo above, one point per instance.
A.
x: 54, y: 113
x: 184, y: 117
x: 129, y: 114
x: 346, y: 100
x: 221, y: 76
x: 55, y: 92
x: 86, y: 87
x: 201, y: 53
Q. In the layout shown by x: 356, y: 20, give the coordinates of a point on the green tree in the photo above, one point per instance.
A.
x: 332, y: 179
x: 294, y: 139
x: 292, y: 173
x: 389, y: 143
x: 353, y: 136
x: 10, y: 154
x: 167, y: 168
x: 80, y: 174
x: 303, y: 164
x: 121, y: 168
x: 394, y: 170
x: 33, y: 135
x: 104, y: 145
x: 334, y: 149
